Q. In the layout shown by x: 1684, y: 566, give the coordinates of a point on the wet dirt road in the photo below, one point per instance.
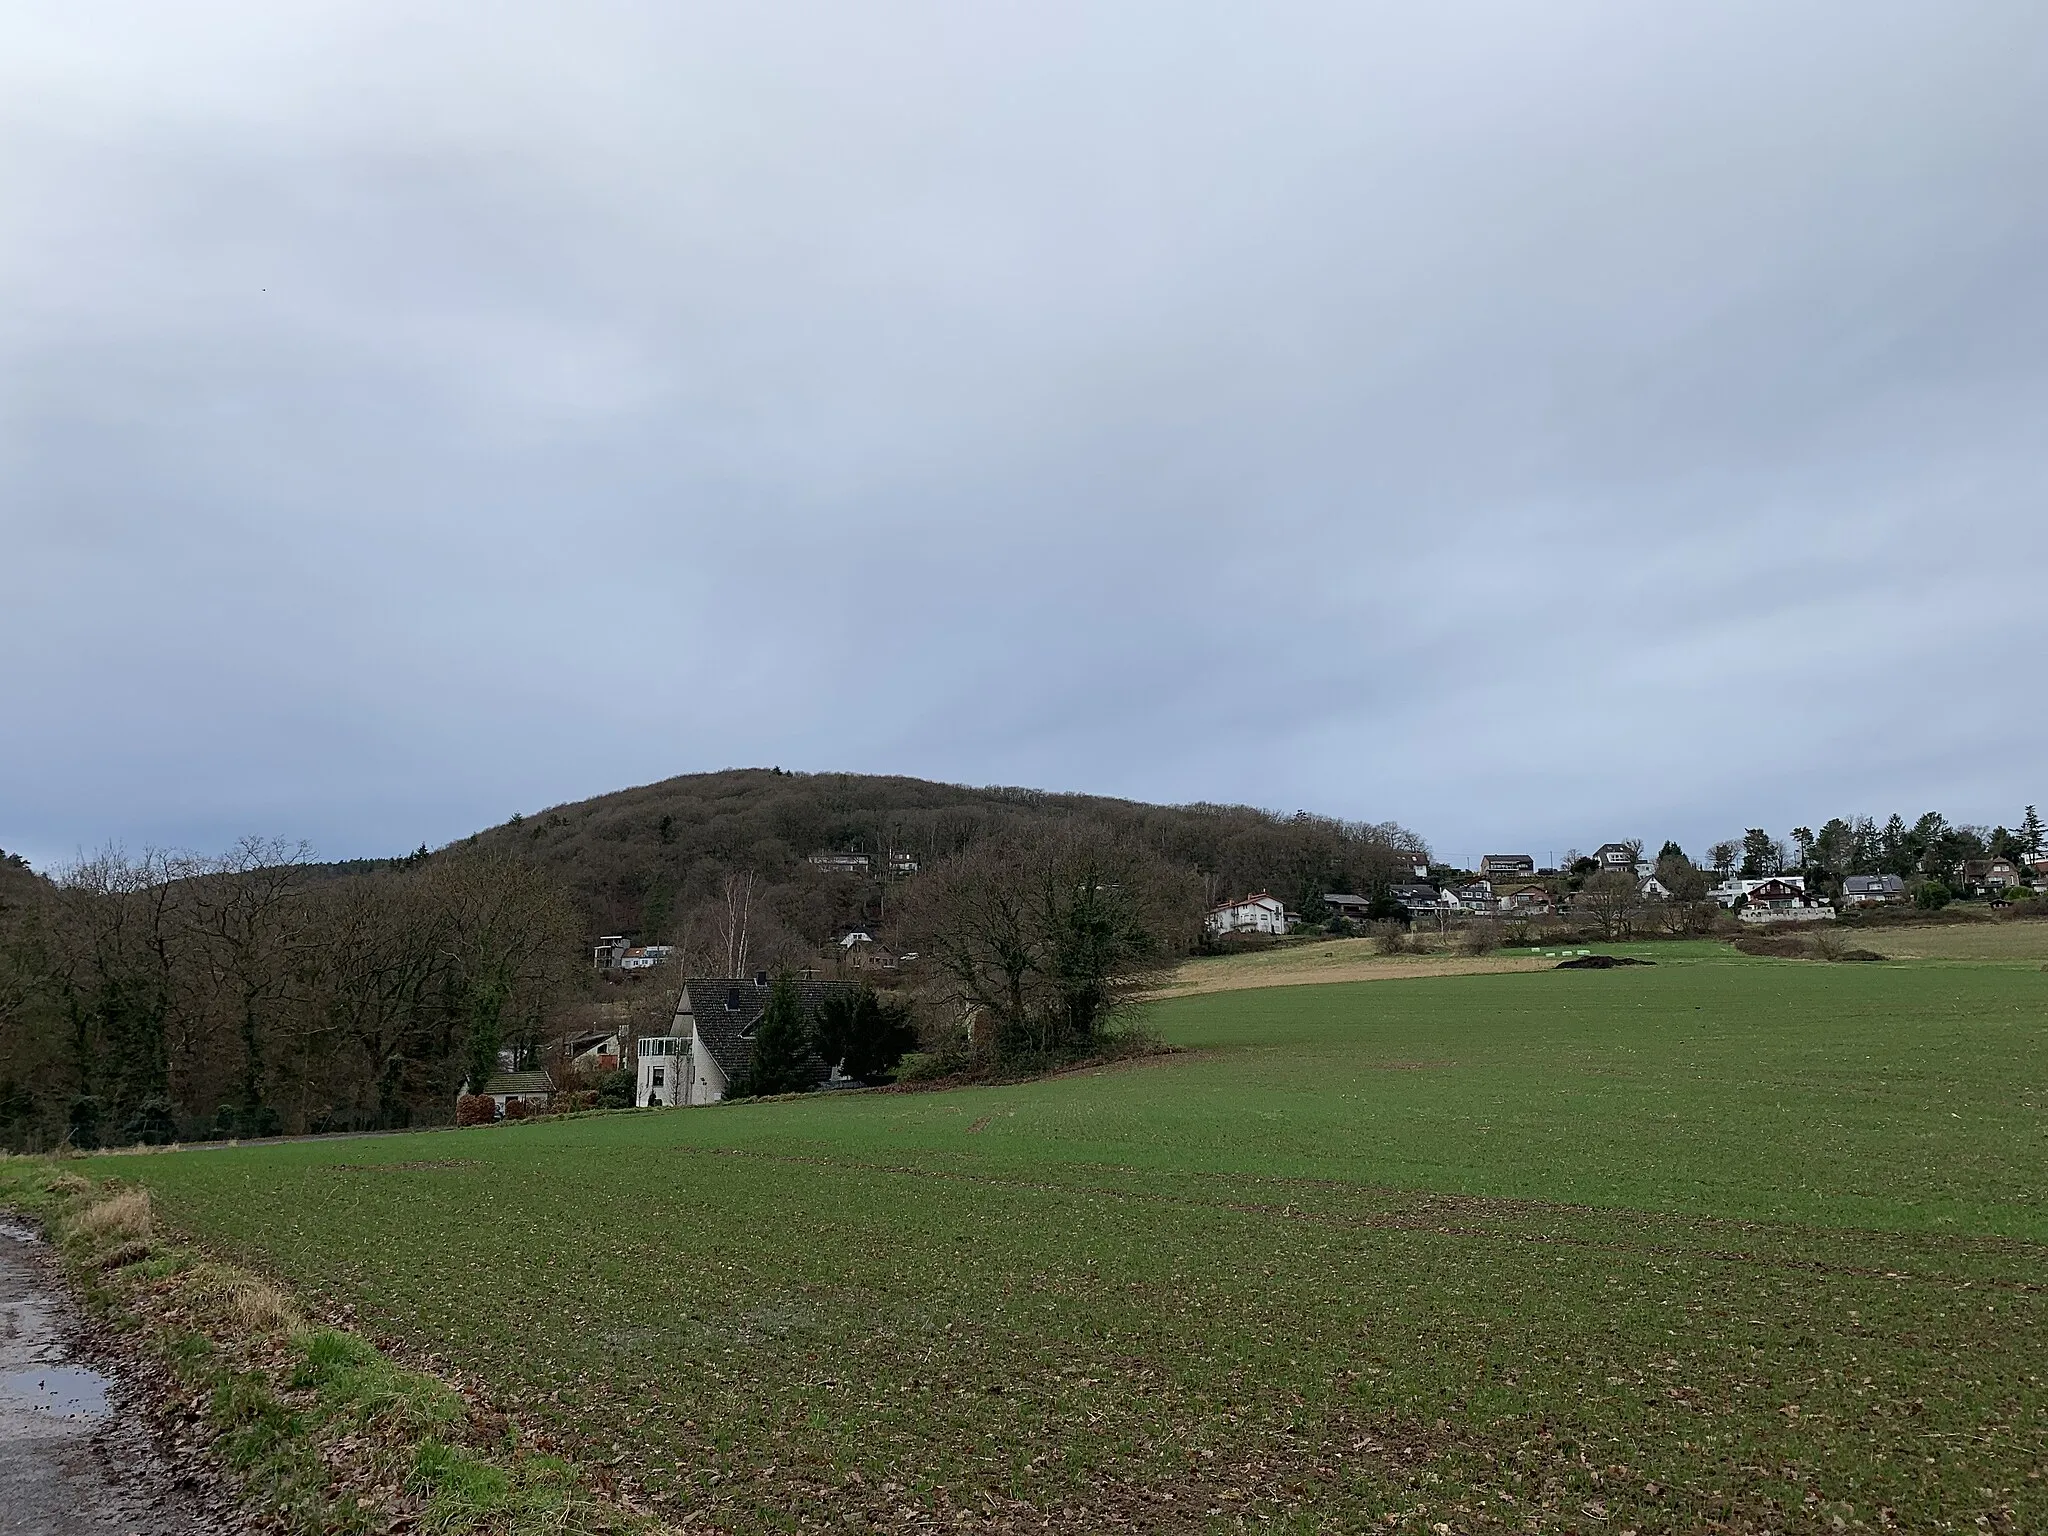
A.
x: 74, y: 1457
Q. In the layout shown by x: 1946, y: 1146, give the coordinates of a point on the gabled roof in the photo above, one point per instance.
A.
x: 1245, y: 901
x: 727, y: 1009
x: 521, y: 1083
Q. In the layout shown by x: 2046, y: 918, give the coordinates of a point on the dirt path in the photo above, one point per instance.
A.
x: 76, y: 1452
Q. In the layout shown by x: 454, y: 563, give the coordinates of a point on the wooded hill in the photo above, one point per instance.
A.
x: 654, y: 862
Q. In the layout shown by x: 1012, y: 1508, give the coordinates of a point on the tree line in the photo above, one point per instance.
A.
x: 179, y: 997
x: 1929, y: 848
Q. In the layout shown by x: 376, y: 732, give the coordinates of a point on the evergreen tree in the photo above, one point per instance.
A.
x: 2032, y: 833
x: 782, y: 1044
x: 864, y: 1036
x: 1759, y: 854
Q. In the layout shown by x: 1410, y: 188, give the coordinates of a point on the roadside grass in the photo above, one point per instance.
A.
x: 321, y: 1431
x: 1724, y: 1243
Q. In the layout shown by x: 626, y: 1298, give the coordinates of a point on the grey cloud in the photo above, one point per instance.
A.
x: 1519, y: 422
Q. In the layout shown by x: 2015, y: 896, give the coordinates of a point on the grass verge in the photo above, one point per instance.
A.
x: 318, y: 1429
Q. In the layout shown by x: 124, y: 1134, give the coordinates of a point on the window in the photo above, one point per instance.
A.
x: 659, y: 1075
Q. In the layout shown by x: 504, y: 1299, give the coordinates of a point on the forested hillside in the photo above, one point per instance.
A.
x: 180, y: 995
x: 658, y: 862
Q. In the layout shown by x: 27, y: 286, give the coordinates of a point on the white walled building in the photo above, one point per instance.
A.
x: 663, y: 1071
x: 1255, y: 914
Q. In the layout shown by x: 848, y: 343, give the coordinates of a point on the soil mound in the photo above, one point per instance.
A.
x: 1600, y: 962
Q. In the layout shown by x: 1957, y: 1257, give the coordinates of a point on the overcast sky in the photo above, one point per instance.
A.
x: 1538, y: 424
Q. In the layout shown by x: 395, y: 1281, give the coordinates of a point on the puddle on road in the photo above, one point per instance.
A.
x: 61, y: 1391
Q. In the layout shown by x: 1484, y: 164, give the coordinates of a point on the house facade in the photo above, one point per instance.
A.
x: 1420, y: 900
x: 1507, y: 866
x: 1872, y: 890
x: 713, y: 1030
x: 534, y: 1088
x: 1615, y: 856
x: 660, y: 1069
x: 1258, y: 913
x: 1782, y: 899
x: 1992, y: 875
x: 1342, y: 904
x: 1527, y: 900
x: 1474, y: 900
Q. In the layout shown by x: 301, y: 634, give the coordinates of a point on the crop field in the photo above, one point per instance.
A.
x: 1726, y: 1243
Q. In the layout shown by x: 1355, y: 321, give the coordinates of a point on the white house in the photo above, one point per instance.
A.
x: 1782, y: 899
x: 535, y: 1088
x: 1259, y: 913
x: 664, y: 1069
x: 716, y: 1019
x: 1738, y: 887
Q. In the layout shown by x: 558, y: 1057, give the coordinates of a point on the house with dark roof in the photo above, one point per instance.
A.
x: 532, y: 1088
x: 1992, y: 875
x: 1420, y: 900
x: 719, y: 1016
x: 1870, y: 890
x: 1506, y: 866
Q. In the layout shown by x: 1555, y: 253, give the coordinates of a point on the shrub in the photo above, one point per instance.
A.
x: 1931, y: 896
x: 476, y: 1109
x: 1391, y: 938
x: 615, y: 1090
x: 518, y: 1109
x: 1479, y: 938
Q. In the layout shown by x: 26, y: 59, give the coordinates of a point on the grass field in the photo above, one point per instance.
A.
x: 1721, y: 1244
x: 2013, y: 939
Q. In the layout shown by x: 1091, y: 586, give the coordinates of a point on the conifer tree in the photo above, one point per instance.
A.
x: 782, y: 1043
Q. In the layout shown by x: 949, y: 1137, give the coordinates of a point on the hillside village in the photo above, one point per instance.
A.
x: 1620, y: 890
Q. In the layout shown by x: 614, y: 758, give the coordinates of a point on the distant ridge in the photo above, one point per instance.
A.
x: 640, y: 861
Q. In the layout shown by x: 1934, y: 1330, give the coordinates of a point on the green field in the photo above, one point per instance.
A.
x: 1724, y: 1244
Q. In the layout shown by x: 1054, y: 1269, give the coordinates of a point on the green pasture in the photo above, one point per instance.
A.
x: 1721, y: 1243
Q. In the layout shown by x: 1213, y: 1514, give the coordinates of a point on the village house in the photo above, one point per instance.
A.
x: 1527, y: 900
x: 596, y: 1047
x: 1615, y: 856
x: 614, y: 952
x: 1654, y: 889
x: 1473, y: 900
x: 1736, y: 888
x: 1782, y: 899
x: 533, y: 1088
x: 1506, y: 866
x: 1872, y: 890
x: 711, y: 1039
x: 1342, y: 904
x: 842, y: 863
x: 1258, y: 913
x: 1420, y: 900
x: 1993, y: 875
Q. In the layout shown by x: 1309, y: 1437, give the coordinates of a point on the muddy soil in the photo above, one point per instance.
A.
x: 78, y: 1450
